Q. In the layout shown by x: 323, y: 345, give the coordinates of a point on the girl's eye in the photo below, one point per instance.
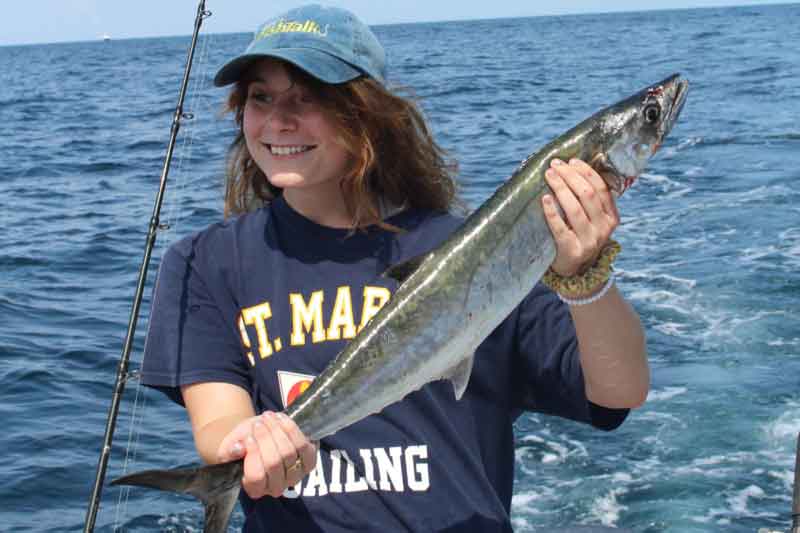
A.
x: 261, y: 98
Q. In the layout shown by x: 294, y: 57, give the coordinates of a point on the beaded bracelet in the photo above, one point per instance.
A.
x: 600, y: 274
x: 591, y: 299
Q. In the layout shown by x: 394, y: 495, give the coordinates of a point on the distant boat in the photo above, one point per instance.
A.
x: 106, y: 37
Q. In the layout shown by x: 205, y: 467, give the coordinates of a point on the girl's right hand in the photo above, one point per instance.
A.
x: 276, y: 453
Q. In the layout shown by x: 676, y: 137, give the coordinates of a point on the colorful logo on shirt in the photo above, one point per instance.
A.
x: 292, y: 385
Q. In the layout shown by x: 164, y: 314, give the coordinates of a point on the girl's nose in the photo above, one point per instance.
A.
x: 282, y: 117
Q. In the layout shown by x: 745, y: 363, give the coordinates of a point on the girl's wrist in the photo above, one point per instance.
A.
x: 590, y: 285
x: 589, y: 298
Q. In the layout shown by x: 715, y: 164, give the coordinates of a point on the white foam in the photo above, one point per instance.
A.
x: 790, y: 245
x: 689, y: 142
x: 667, y: 393
x: 713, y: 460
x: 655, y: 178
x: 679, y: 193
x: 784, y: 342
x: 533, y: 501
x: 607, y: 509
x: 738, y: 501
x: 655, y: 415
x: 671, y: 188
x: 694, y: 171
x: 698, y: 318
x: 532, y: 438
x: 722, y: 466
x: 729, y: 200
x: 671, y: 328
x: 650, y: 275
x: 525, y: 498
x: 751, y: 255
x: 738, y: 507
x: 787, y: 477
x: 655, y: 296
x: 621, y: 477
x: 785, y: 428
x: 557, y: 452
x: 520, y: 524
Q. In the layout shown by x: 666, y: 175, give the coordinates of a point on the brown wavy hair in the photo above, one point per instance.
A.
x: 394, y: 157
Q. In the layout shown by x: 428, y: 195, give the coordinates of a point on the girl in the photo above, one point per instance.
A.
x: 332, y: 179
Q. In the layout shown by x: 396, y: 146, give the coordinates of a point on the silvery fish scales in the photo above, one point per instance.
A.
x: 450, y: 300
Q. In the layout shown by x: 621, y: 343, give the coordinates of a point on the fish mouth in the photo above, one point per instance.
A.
x: 681, y: 89
x: 618, y: 183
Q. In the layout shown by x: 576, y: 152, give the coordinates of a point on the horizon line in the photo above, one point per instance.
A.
x: 101, y: 38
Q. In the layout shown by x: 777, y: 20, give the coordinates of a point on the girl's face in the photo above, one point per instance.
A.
x: 288, y: 135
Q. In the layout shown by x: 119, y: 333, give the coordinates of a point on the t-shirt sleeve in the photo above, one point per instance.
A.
x: 548, y: 373
x: 192, y: 335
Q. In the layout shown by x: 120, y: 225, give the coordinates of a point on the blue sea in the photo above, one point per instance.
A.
x: 710, y: 234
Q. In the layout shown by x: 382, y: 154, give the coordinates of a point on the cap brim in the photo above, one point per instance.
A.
x: 321, y: 65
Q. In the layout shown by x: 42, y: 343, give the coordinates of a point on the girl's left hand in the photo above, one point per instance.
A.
x: 590, y: 211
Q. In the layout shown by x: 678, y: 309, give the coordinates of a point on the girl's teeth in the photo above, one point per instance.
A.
x: 288, y: 150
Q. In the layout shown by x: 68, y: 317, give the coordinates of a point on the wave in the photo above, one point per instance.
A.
x: 607, y: 508
x: 22, y: 261
x: 145, y: 146
x: 758, y: 71
x: 666, y: 393
x: 707, y: 35
x: 103, y: 167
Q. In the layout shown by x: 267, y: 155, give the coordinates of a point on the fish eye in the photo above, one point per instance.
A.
x: 652, y: 113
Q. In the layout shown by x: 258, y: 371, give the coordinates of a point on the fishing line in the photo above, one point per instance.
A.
x: 154, y: 227
x: 168, y: 232
x: 174, y: 216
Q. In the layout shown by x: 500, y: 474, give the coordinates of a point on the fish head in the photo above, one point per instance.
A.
x: 632, y: 131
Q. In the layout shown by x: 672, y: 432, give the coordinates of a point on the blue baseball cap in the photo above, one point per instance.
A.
x: 329, y: 43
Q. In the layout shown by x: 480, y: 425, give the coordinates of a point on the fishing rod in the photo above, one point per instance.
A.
x: 122, y: 369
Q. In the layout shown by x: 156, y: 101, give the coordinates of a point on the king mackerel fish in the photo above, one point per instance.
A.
x: 451, y: 299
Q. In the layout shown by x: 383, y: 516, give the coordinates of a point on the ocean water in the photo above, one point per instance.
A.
x: 711, y: 237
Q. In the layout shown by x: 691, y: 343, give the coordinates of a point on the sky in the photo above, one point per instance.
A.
x: 45, y: 21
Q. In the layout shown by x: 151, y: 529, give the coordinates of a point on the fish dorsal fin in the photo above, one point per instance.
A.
x: 401, y: 271
x: 459, y: 375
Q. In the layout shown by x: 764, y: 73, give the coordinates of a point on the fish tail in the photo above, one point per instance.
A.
x: 217, y: 486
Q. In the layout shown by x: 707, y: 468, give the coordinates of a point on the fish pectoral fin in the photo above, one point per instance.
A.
x: 217, y: 486
x: 460, y: 374
x: 401, y: 271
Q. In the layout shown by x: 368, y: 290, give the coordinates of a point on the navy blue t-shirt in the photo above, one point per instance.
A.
x: 266, y: 300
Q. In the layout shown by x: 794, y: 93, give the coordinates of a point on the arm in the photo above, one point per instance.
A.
x: 193, y: 340
x: 215, y: 409
x: 612, y: 351
x: 226, y: 427
x: 611, y: 341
